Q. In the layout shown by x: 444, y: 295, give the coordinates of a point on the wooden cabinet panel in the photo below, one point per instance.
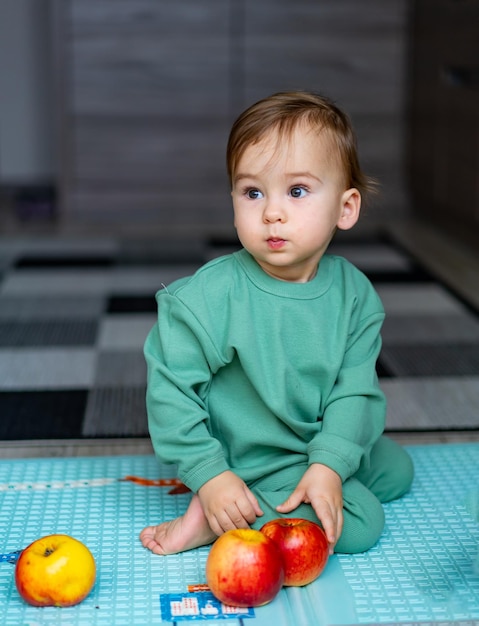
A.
x: 444, y: 113
x: 149, y: 154
x: 146, y: 108
x: 148, y: 76
x: 149, y: 89
x: 161, y: 18
x: 149, y: 58
x: 170, y: 214
x: 349, y: 51
x: 352, y: 52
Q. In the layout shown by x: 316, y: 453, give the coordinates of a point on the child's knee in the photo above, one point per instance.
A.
x: 390, y: 472
x: 360, y: 538
x: 405, y: 475
x: 363, y: 519
x: 398, y: 478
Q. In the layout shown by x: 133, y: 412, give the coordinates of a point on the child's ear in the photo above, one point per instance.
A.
x: 350, y: 208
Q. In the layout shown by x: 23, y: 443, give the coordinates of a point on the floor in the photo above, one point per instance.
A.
x: 425, y: 569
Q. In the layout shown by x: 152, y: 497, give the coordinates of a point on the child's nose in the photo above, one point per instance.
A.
x: 273, y: 212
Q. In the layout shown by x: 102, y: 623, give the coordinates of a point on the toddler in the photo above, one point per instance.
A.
x: 262, y: 384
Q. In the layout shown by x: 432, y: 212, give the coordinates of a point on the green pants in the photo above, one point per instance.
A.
x: 388, y: 476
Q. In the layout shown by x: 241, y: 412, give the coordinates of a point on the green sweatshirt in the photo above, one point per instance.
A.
x: 254, y: 374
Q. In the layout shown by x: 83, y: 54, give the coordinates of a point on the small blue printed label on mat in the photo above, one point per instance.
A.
x: 11, y: 557
x: 176, y: 607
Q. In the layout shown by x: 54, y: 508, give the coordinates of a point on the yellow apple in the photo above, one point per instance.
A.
x: 56, y: 570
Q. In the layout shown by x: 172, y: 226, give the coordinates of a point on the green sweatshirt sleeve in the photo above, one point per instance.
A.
x: 180, y: 361
x: 354, y: 416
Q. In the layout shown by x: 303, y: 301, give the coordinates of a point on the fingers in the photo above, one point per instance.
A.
x: 331, y: 518
x: 328, y: 513
x: 239, y: 514
x: 228, y: 503
x: 255, y: 504
x: 291, y: 503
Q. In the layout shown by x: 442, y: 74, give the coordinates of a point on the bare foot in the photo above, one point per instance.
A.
x: 191, y: 530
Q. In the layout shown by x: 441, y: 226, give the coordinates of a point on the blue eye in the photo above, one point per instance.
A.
x: 254, y: 194
x: 298, y: 192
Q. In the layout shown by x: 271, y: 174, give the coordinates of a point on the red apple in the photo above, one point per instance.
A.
x: 303, y: 545
x: 56, y: 570
x: 244, y: 568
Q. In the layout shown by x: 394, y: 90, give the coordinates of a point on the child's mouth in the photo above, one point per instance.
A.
x: 275, y: 243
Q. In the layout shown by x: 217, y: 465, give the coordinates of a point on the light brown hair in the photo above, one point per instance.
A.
x: 282, y: 112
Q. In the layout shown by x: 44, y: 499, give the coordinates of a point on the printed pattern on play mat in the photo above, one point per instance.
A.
x: 425, y: 567
x: 74, y: 316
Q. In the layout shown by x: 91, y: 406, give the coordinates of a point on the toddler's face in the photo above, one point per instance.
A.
x: 289, y: 197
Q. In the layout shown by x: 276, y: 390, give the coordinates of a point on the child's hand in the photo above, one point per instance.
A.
x: 322, y: 488
x: 228, y: 503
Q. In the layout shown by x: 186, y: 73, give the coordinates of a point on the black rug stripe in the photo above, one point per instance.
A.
x: 42, y: 414
x: 131, y: 304
x: 416, y: 274
x: 165, y: 253
x: 382, y: 369
x: 65, y: 261
x: 431, y: 360
x: 116, y: 412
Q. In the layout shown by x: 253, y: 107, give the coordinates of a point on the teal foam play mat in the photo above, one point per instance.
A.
x: 425, y: 568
